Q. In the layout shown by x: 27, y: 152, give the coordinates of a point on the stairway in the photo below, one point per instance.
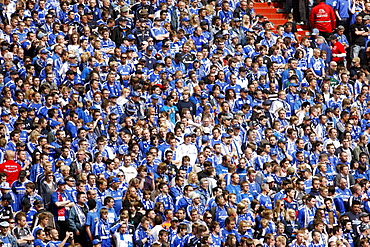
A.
x: 275, y: 12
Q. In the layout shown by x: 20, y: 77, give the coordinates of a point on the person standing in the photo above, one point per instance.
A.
x: 61, y: 201
x: 77, y: 218
x: 323, y: 18
x: 10, y: 167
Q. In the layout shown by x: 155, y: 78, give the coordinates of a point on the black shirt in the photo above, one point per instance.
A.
x: 358, y: 39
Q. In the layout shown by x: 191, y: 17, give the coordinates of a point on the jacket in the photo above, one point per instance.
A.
x: 323, y: 18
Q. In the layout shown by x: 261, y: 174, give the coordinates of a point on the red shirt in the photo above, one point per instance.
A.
x: 323, y: 18
x: 338, y: 48
x: 11, y: 169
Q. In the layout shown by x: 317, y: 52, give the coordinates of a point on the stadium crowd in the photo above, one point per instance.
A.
x: 183, y: 123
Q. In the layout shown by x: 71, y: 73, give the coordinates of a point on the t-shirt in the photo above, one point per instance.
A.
x: 11, y: 169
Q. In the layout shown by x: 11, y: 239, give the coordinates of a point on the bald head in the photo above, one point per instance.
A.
x: 9, y: 155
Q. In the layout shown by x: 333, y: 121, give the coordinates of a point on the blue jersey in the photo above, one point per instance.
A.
x: 265, y: 201
x: 166, y: 200
x: 102, y: 231
x: 92, y: 219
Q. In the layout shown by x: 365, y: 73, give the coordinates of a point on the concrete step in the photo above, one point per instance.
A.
x: 268, y: 5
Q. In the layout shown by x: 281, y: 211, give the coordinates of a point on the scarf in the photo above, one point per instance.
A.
x: 81, y: 215
x: 62, y: 210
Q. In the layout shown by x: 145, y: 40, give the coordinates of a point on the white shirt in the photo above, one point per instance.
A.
x: 187, y: 150
x: 130, y: 172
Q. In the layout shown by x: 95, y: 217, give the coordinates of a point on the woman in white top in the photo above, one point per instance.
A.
x: 122, y: 238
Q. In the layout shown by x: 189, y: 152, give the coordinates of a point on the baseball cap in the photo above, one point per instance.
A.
x: 44, y: 51
x: 22, y: 174
x: 135, y: 94
x: 155, y: 96
x: 4, y: 224
x: 5, y: 186
x: 225, y: 135
x: 5, y: 113
x: 7, y: 197
x: 221, y: 96
x: 315, y: 31
x: 54, y: 123
x: 61, y: 182
x: 124, y: 9
x: 187, y: 135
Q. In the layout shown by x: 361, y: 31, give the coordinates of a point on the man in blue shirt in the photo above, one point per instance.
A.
x: 264, y: 198
x: 229, y: 229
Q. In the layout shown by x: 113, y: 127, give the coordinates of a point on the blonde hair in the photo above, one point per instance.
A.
x: 192, y: 180
x: 264, y: 223
x: 64, y: 168
x: 34, y: 135
x: 289, y: 211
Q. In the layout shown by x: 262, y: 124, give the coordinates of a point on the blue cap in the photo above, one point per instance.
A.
x: 54, y: 123
x: 5, y: 113
x: 61, y: 182
x: 44, y: 51
x: 187, y: 135
x: 315, y: 31
x: 150, y: 48
x: 238, y: 53
x: 185, y: 19
x: 111, y: 96
x: 73, y: 65
x: 282, y: 140
x: 155, y: 96
x: 96, y: 241
x: 367, y: 111
x: 221, y: 96
x: 103, y: 64
x: 293, y: 85
x: 236, y: 19
x: 135, y: 94
x: 236, y: 126
x: 94, y: 107
x: 115, y: 180
x: 131, y: 36
x: 96, y: 64
x: 85, y: 128
x: 204, y: 96
x: 225, y: 135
